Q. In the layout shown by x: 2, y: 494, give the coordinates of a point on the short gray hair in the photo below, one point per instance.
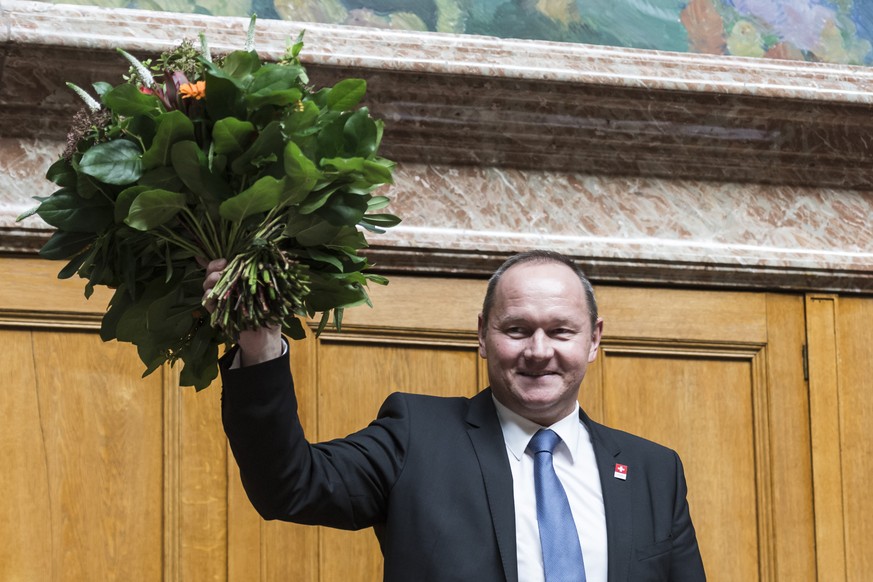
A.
x: 539, y: 256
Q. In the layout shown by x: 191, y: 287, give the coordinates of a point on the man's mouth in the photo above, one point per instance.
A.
x: 536, y: 374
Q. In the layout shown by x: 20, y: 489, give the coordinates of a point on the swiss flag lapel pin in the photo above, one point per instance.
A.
x: 621, y: 471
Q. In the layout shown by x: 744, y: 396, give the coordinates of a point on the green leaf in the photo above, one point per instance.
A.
x: 292, y: 328
x: 192, y: 167
x: 376, y: 171
x: 88, y: 187
x: 164, y: 178
x: 269, y: 145
x: 297, y: 122
x: 153, y: 208
x: 121, y: 301
x: 330, y: 293
x: 346, y: 94
x: 65, y: 245
x: 27, y: 214
x: 124, y: 201
x: 62, y: 174
x: 231, y: 135
x: 101, y: 87
x: 377, y: 202
x: 324, y: 257
x: 262, y: 196
x: 317, y: 199
x: 301, y: 171
x: 68, y: 211
x: 200, y: 372
x: 361, y: 134
x: 75, y: 263
x: 132, y: 325
x: 377, y: 279
x: 385, y: 220
x: 239, y: 66
x: 116, y: 162
x: 331, y: 137
x: 127, y: 100
x: 172, y: 127
x: 349, y: 241
x: 344, y: 209
x: 311, y: 230
x: 224, y: 98
x: 274, y: 85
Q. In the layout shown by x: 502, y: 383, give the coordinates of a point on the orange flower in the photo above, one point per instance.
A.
x: 196, y: 90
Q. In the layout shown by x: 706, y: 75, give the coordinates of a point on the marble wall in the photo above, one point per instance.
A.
x: 648, y: 167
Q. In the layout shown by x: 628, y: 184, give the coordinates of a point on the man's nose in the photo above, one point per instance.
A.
x: 539, y: 346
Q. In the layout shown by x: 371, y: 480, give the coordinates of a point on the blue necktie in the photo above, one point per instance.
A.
x: 562, y: 554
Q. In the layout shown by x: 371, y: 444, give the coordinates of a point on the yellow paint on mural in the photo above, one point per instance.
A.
x: 450, y: 16
x: 831, y: 46
x: 305, y: 11
x: 563, y: 11
x: 745, y: 40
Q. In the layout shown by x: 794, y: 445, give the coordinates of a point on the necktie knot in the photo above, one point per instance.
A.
x: 544, y: 441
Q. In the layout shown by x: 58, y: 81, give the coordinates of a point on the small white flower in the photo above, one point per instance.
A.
x: 92, y: 103
x: 204, y: 49
x: 141, y: 70
x: 250, y: 36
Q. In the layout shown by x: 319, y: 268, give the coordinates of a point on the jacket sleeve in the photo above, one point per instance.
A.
x: 342, y: 483
x: 686, y: 564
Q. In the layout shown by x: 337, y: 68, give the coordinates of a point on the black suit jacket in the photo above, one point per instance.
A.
x: 430, y: 475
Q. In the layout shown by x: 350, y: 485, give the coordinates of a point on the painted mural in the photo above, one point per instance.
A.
x: 836, y: 31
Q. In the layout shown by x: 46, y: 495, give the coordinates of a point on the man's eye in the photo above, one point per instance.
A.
x: 515, y: 331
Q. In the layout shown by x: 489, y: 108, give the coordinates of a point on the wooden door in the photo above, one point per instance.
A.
x: 840, y: 334
x: 719, y: 378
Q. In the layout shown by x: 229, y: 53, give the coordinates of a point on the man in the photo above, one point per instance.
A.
x: 477, y: 489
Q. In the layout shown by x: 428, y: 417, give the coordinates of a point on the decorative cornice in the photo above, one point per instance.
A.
x: 460, y: 99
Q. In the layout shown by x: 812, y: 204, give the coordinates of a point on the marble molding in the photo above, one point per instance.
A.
x: 649, y: 167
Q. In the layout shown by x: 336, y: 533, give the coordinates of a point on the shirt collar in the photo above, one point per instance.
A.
x: 517, y: 430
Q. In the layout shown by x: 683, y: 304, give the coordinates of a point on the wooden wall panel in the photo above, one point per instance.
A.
x: 794, y: 531
x: 114, y: 477
x: 703, y: 408
x: 353, y: 381
x: 202, y: 487
x: 96, y: 498
x: 855, y: 345
x: 27, y: 551
x: 824, y: 419
x: 719, y: 378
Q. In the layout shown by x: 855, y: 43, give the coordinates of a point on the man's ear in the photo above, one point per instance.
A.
x: 481, y: 333
x: 596, y: 336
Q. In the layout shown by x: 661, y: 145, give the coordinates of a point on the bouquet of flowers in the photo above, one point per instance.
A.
x: 193, y: 158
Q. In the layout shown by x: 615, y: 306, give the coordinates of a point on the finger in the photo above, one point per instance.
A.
x: 216, y: 265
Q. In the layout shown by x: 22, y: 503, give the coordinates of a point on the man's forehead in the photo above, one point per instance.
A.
x: 542, y: 274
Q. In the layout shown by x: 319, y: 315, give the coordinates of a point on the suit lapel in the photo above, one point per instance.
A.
x: 616, y: 501
x: 487, y: 438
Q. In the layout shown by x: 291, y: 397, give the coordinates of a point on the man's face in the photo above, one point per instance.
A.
x: 538, y: 340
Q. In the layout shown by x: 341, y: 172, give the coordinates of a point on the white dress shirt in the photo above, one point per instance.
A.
x: 576, y: 467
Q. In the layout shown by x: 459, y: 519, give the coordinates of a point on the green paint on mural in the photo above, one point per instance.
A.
x: 838, y: 31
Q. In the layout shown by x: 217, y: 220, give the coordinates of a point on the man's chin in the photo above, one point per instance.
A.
x: 540, y: 396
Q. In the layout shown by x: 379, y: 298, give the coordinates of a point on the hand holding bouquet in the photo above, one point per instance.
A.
x: 228, y: 157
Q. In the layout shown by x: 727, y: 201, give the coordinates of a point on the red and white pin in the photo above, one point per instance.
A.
x: 621, y: 471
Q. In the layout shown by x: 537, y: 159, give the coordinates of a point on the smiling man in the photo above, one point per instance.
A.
x: 515, y: 484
